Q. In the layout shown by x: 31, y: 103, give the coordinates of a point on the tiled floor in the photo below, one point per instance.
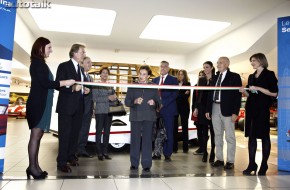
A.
x: 186, y: 171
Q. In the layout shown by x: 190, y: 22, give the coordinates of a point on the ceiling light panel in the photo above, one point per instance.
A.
x: 179, y: 29
x: 71, y: 19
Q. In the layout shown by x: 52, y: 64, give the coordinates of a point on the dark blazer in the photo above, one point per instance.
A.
x: 168, y: 96
x: 68, y: 100
x: 182, y: 100
x: 230, y: 99
x: 88, y: 98
x: 142, y: 112
x: 40, y: 84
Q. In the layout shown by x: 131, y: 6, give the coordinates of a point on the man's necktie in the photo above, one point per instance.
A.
x: 162, y: 82
x: 217, y: 92
x: 79, y: 73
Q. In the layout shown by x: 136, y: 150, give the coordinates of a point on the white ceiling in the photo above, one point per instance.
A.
x: 134, y: 15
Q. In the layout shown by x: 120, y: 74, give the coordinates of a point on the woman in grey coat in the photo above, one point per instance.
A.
x: 142, y: 103
x: 102, y: 96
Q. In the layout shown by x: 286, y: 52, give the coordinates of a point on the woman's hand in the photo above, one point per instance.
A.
x: 151, y: 102
x: 76, y: 87
x: 66, y: 82
x: 86, y: 90
x: 242, y: 89
x: 138, y: 101
x: 195, y: 112
x: 112, y: 97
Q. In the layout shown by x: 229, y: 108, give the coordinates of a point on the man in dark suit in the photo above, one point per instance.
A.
x: 169, y: 108
x: 88, y: 113
x: 70, y: 108
x: 224, y: 106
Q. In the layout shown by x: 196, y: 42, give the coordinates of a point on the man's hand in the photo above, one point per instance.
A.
x: 207, y: 115
x: 234, y: 118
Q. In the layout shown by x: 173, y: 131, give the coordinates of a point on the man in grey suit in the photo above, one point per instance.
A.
x: 224, y: 106
x: 88, y: 113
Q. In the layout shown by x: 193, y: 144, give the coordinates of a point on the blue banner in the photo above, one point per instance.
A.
x: 284, y: 93
x: 7, y: 26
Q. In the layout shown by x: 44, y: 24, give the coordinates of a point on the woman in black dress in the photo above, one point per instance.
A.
x: 39, y: 103
x: 199, y: 111
x: 263, y: 88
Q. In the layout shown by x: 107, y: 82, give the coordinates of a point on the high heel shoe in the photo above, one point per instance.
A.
x: 204, y: 157
x: 251, y: 168
x: 44, y: 173
x: 211, y: 157
x: 263, y: 169
x: 29, y: 173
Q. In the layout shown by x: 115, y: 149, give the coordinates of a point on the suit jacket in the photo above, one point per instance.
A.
x: 88, y: 98
x: 68, y: 100
x: 40, y: 84
x: 142, y: 112
x: 182, y: 100
x: 230, y: 99
x: 168, y: 96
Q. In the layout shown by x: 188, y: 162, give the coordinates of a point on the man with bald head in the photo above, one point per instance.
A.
x: 223, y: 108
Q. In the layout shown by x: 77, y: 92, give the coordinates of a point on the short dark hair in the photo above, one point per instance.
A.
x: 261, y: 58
x: 147, y: 68
x: 104, y: 68
x: 38, y: 48
x: 74, y: 49
x: 165, y: 62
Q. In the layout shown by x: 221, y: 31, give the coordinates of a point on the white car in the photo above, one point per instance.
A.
x: 120, y: 130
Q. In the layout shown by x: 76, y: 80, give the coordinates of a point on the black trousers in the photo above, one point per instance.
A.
x: 84, y: 132
x: 103, y: 123
x: 184, y: 124
x: 141, y: 130
x: 69, y: 127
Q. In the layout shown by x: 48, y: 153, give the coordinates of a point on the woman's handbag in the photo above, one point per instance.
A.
x: 117, y: 108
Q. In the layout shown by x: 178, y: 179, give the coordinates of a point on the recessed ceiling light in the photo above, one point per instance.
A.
x: 179, y: 29
x: 71, y: 19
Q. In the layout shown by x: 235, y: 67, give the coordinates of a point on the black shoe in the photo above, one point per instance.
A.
x: 73, y: 162
x: 263, y: 169
x: 185, y: 151
x: 204, y: 157
x: 101, y: 157
x: 156, y: 157
x: 211, y: 157
x: 65, y: 169
x: 229, y: 166
x: 133, y: 168
x: 107, y: 157
x: 45, y: 173
x: 39, y: 176
x: 251, y: 168
x: 217, y: 163
x: 146, y: 169
x: 85, y: 155
x: 167, y: 159
x: 198, y: 152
